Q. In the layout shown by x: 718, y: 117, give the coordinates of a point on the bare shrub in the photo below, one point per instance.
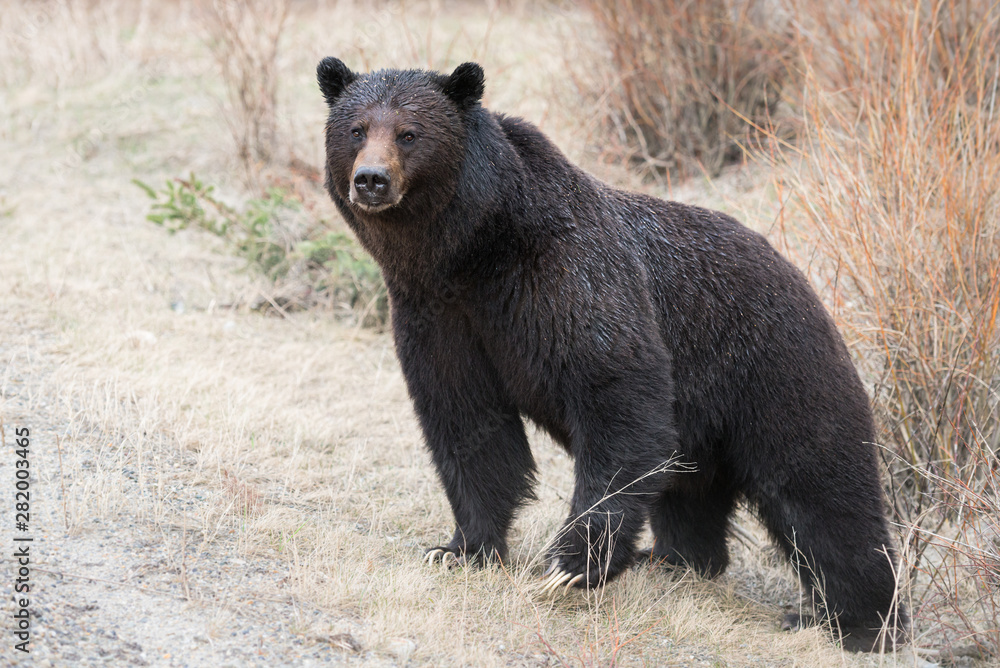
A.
x: 94, y: 38
x: 244, y: 36
x: 899, y: 179
x: 688, y: 79
x: 958, y: 560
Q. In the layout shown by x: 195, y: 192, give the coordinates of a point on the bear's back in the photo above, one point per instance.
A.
x: 722, y: 292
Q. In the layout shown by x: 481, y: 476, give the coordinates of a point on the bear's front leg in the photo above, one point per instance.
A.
x: 485, y: 465
x: 597, y: 541
x: 473, y: 430
x: 623, y: 444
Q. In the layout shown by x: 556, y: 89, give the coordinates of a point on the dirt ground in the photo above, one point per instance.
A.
x: 212, y: 486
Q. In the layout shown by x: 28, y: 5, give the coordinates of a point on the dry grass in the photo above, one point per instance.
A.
x: 292, y: 438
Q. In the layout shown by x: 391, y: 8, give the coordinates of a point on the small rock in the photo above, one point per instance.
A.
x: 344, y: 641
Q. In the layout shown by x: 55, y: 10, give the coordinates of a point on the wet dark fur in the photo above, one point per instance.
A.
x: 632, y: 329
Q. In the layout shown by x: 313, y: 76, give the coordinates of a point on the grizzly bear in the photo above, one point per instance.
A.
x: 683, y: 363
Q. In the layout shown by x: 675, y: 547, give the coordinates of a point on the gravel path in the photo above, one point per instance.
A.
x: 134, y: 593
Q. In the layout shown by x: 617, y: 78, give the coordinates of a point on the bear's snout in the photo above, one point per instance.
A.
x: 371, y: 188
x: 372, y: 181
x: 377, y: 181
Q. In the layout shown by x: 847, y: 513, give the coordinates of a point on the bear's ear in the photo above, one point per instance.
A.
x: 333, y: 77
x: 465, y: 85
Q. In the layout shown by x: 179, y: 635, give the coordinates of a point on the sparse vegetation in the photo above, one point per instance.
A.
x: 311, y: 262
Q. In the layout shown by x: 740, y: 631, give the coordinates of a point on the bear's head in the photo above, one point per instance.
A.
x: 395, y: 139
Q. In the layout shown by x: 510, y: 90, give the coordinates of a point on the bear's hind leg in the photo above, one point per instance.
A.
x: 690, y: 526
x: 844, y: 557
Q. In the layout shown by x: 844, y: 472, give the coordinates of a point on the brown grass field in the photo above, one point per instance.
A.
x: 215, y: 485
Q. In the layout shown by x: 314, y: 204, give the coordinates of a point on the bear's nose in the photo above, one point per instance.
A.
x: 373, y: 180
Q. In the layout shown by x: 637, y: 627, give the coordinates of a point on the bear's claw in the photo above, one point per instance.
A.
x: 555, y: 577
x: 446, y: 557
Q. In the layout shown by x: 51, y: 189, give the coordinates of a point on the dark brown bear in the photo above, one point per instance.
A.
x: 637, y: 332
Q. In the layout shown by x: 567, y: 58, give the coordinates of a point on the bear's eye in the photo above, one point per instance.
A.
x: 408, y: 137
x: 356, y: 133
